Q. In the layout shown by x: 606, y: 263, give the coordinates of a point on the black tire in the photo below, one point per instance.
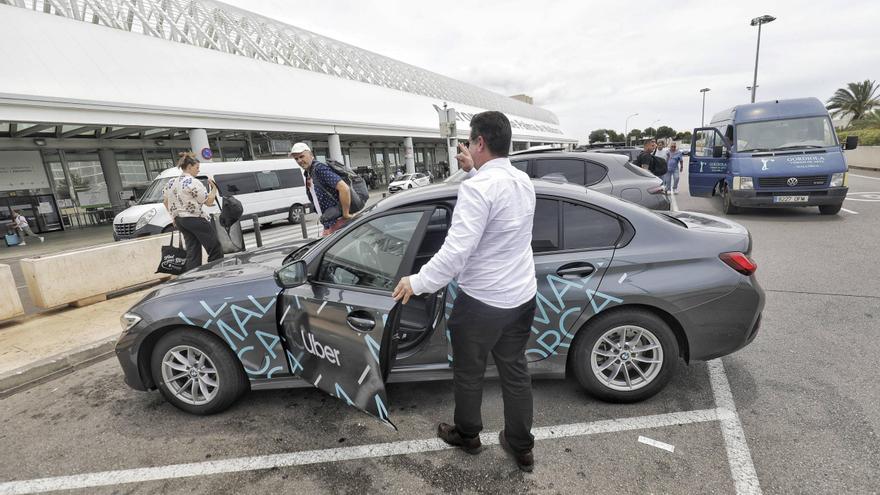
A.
x: 231, y: 379
x: 409, y: 186
x: 830, y: 209
x: 587, y: 338
x: 726, y: 206
x: 296, y: 214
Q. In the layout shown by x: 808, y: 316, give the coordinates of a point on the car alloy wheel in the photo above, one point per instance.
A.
x: 190, y: 375
x: 627, y: 358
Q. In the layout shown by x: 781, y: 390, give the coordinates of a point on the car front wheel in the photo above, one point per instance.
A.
x: 196, y: 372
x: 625, y: 356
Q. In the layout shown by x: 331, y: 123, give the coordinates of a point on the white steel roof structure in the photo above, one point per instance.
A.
x: 256, y: 73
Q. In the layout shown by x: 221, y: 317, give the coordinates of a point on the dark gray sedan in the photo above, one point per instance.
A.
x: 624, y: 293
x: 611, y: 174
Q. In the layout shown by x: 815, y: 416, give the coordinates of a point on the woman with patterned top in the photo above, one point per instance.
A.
x: 184, y: 199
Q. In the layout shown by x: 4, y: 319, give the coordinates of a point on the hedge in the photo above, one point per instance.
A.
x: 867, y: 137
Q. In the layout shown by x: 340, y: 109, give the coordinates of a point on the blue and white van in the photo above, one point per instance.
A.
x: 778, y: 153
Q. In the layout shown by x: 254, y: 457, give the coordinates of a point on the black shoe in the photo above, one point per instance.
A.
x: 524, y: 460
x: 450, y: 435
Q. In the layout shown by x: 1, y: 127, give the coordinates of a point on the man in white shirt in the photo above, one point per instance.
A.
x: 488, y: 249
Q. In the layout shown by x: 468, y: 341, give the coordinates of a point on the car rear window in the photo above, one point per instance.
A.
x: 638, y: 170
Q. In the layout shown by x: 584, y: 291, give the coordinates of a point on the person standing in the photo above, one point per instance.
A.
x: 674, y: 167
x: 488, y: 249
x: 661, y: 151
x: 185, y: 197
x: 326, y: 189
x: 645, y: 158
x: 23, y: 228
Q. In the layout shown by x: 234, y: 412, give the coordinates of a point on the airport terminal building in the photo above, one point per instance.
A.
x: 97, y: 97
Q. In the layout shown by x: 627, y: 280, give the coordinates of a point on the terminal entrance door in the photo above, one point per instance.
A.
x: 40, y: 210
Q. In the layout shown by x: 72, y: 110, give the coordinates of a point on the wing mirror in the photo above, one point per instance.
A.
x: 852, y: 142
x: 292, y: 275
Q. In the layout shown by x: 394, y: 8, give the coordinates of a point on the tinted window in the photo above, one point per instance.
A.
x: 521, y: 165
x: 243, y: 183
x: 595, y: 173
x: 572, y: 170
x: 545, y: 230
x: 290, y: 178
x: 586, y: 228
x: 268, y: 181
x: 370, y: 255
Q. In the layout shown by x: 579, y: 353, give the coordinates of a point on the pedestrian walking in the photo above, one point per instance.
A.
x: 488, y: 249
x: 22, y: 228
x: 674, y: 167
x: 645, y: 159
x: 325, y: 188
x: 661, y: 150
x: 185, y: 197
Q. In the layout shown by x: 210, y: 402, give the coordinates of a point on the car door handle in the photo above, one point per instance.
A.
x: 360, y: 323
x: 575, y: 270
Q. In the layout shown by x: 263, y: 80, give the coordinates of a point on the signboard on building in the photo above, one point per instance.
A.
x: 22, y: 170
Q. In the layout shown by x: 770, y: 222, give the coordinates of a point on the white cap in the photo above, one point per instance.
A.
x: 299, y: 148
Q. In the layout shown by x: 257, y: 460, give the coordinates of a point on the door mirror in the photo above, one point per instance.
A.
x: 852, y: 142
x: 292, y: 275
x: 717, y: 151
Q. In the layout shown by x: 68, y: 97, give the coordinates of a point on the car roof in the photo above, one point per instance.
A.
x: 604, y: 158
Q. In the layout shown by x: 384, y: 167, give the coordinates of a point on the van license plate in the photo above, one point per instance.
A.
x: 790, y: 199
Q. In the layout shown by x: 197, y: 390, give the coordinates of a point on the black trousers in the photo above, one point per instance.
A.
x: 478, y: 329
x: 198, y: 232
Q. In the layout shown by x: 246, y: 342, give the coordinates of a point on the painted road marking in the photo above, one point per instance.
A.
x: 139, y: 475
x: 849, y: 211
x: 738, y: 455
x: 863, y: 176
x: 657, y: 443
x: 864, y: 196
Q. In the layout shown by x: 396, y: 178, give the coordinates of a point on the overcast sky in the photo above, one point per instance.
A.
x: 595, y: 63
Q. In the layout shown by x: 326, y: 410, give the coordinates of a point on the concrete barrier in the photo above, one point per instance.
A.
x: 85, y: 276
x: 10, y: 303
x: 864, y: 157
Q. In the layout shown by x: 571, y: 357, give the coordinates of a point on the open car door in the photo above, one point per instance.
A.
x: 337, y: 319
x: 708, y: 162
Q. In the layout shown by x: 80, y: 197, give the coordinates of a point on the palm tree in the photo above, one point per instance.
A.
x: 856, y: 100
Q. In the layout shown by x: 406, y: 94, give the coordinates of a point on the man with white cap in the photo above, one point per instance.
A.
x: 326, y: 189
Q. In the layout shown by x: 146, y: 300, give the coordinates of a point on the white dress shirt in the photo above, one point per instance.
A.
x: 489, y: 244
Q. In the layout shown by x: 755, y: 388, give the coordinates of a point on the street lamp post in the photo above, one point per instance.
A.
x: 703, y: 118
x: 758, y: 21
x: 626, y: 129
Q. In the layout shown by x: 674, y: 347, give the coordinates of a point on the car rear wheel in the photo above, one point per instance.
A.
x: 830, y: 209
x: 196, y: 372
x: 625, y: 356
x: 296, y: 214
x: 409, y: 186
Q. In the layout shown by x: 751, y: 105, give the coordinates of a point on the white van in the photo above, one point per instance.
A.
x: 273, y: 189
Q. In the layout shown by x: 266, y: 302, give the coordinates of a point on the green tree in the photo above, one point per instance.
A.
x: 650, y: 131
x: 683, y: 136
x: 870, y: 120
x: 635, y: 134
x: 614, y: 135
x: 665, y: 132
x: 598, y: 136
x: 856, y: 100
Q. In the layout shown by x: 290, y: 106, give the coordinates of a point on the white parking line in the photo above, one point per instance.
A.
x: 849, y: 211
x: 864, y: 177
x: 110, y: 478
x: 738, y: 455
x: 656, y: 443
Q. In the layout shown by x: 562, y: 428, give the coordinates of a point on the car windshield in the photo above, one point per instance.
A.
x: 407, y: 177
x: 153, y: 193
x: 773, y: 135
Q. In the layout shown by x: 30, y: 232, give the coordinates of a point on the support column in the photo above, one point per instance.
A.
x: 335, y: 148
x: 198, y: 140
x: 112, y: 178
x: 409, y: 155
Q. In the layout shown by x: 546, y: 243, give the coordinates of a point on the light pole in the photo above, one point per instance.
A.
x: 703, y: 118
x: 758, y: 21
x: 626, y: 129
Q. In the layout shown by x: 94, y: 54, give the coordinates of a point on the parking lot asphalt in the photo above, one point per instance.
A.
x: 805, y: 393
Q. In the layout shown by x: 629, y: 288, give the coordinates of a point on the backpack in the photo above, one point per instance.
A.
x: 230, y: 212
x: 658, y: 166
x: 358, y: 186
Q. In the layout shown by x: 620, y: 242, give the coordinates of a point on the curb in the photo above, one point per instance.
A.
x: 55, y: 366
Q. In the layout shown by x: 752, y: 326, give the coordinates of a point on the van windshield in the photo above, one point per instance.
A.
x: 153, y: 193
x: 786, y: 134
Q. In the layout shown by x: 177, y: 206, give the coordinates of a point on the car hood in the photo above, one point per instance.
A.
x: 133, y: 213
x: 399, y: 183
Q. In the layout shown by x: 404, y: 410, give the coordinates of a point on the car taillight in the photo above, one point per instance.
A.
x: 655, y: 190
x: 739, y: 262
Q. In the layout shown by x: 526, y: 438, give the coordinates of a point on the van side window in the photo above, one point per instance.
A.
x: 242, y: 183
x: 290, y: 178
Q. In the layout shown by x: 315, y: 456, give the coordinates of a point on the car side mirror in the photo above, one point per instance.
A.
x: 852, y: 142
x: 717, y: 151
x: 292, y: 275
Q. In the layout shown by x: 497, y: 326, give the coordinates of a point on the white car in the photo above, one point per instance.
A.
x: 409, y: 181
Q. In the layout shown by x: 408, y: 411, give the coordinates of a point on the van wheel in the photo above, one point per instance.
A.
x: 196, y: 372
x: 830, y: 209
x: 296, y: 214
x: 726, y: 206
x: 625, y: 356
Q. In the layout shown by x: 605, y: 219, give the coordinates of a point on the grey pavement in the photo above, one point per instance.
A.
x: 805, y: 392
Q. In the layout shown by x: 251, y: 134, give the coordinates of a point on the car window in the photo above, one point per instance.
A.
x: 521, y: 164
x: 587, y: 228
x: 268, y: 181
x: 370, y: 255
x: 241, y: 183
x: 595, y: 173
x: 572, y: 170
x: 545, y: 229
